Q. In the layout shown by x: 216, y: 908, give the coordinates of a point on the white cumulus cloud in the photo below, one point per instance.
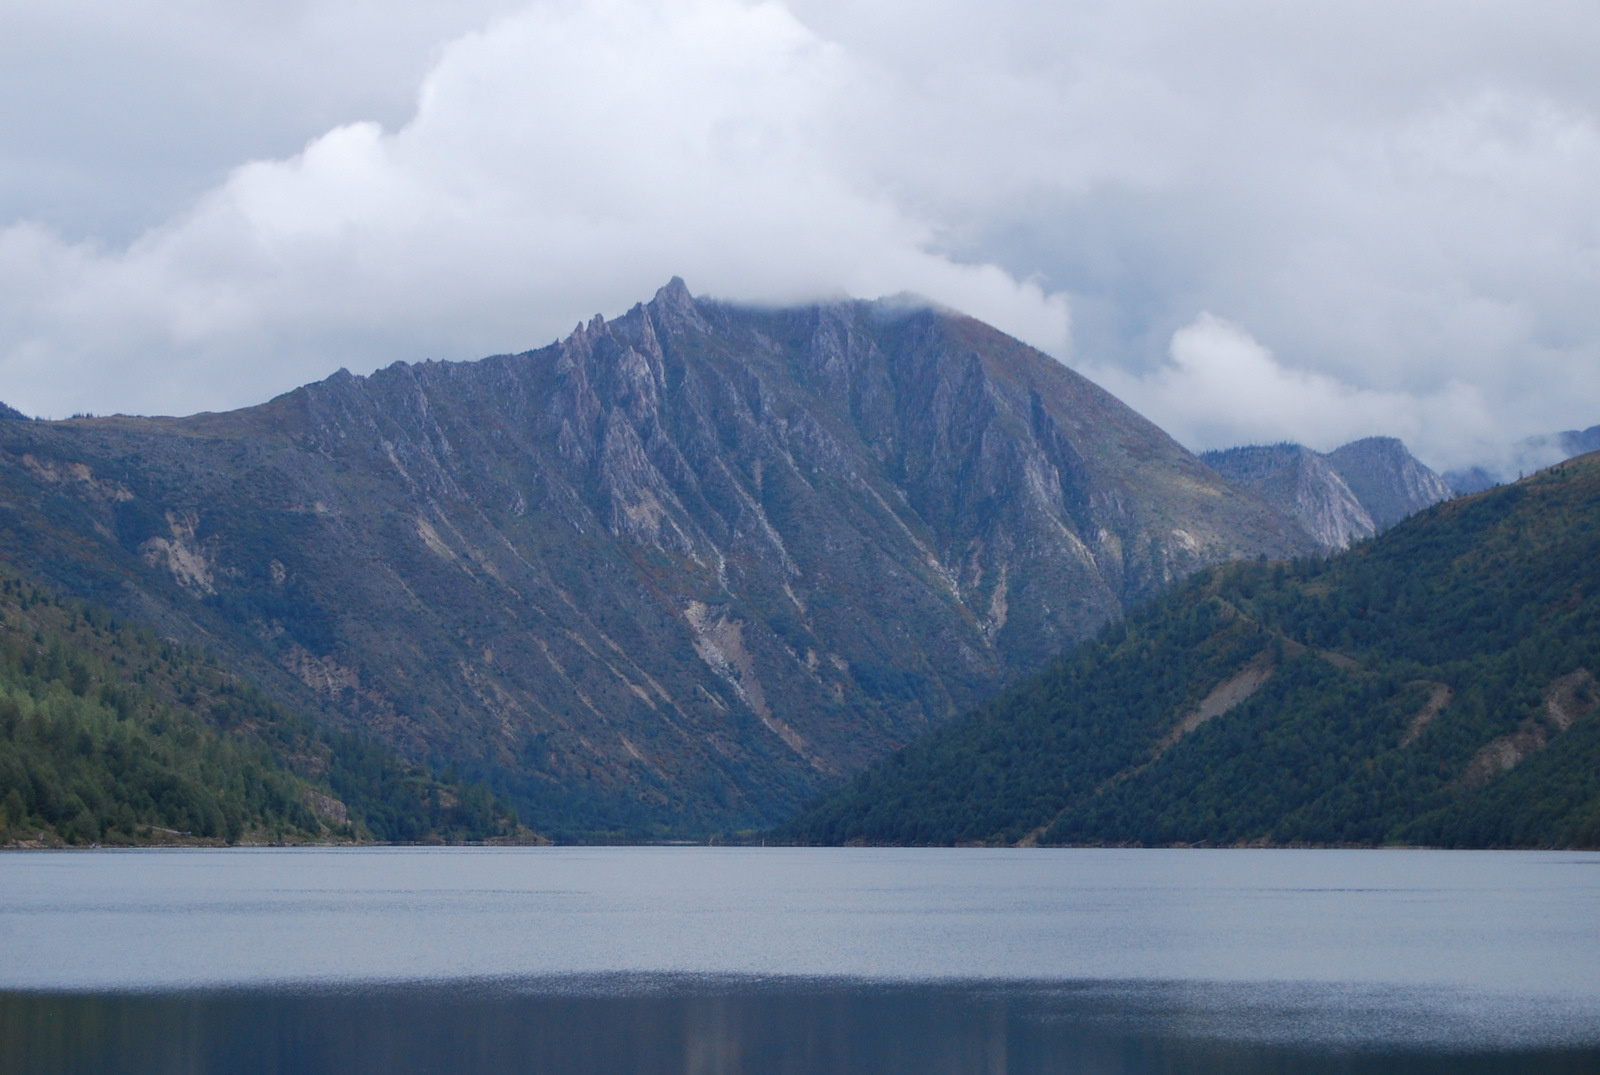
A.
x: 565, y: 160
x: 1221, y: 387
x: 203, y: 203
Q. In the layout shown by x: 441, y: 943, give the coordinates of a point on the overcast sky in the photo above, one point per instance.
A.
x: 1252, y: 221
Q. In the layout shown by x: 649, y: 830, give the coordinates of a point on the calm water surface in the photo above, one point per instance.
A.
x: 799, y: 960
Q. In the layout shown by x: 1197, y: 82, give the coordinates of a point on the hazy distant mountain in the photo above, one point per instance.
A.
x: 1580, y: 441
x: 1348, y: 494
x: 1527, y: 456
x: 1469, y: 480
x: 1301, y: 483
x: 1436, y: 685
x: 675, y: 571
x: 1390, y: 482
x: 11, y: 413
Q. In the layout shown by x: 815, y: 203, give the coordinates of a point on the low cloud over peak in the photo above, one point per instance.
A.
x: 1392, y: 214
x: 1221, y: 388
x: 562, y: 161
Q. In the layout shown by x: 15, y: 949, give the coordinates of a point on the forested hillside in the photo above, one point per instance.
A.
x: 1432, y: 686
x: 111, y: 735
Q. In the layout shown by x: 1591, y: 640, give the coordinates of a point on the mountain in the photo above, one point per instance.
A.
x: 1580, y: 441
x: 1526, y: 456
x: 1433, y: 686
x: 1469, y: 480
x: 109, y: 734
x: 1390, y: 482
x: 670, y: 574
x: 1302, y: 484
x: 1346, y: 495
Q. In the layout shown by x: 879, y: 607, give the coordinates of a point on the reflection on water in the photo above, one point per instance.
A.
x: 691, y: 960
x: 1519, y: 923
x: 702, y: 1027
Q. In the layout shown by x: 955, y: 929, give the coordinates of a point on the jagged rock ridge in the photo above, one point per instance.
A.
x: 1434, y: 686
x: 1304, y: 485
x: 675, y: 571
x: 1390, y: 482
x: 1351, y: 493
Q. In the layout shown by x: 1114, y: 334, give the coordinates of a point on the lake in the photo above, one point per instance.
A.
x: 799, y: 960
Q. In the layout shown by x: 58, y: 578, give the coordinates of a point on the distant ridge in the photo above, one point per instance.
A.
x: 1469, y: 480
x: 1391, y: 483
x: 1346, y: 495
x: 1301, y: 483
x: 1527, y: 455
x: 1580, y: 441
x: 1437, y: 686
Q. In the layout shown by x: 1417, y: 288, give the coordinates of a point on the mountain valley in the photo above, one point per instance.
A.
x: 671, y: 575
x: 1433, y: 686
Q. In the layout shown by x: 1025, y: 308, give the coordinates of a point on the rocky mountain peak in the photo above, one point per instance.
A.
x: 1346, y: 495
x: 677, y: 569
x: 1304, y: 485
x: 1391, y: 483
x: 674, y: 295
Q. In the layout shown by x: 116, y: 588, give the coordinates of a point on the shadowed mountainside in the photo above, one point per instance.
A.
x: 1391, y: 483
x: 1433, y: 686
x: 673, y: 573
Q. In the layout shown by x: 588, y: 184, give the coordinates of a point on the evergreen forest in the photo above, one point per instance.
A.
x: 1433, y: 686
x: 111, y: 735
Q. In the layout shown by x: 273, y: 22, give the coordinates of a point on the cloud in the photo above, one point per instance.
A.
x: 1221, y: 387
x: 1399, y: 202
x: 114, y: 117
x: 1401, y: 197
x: 565, y: 160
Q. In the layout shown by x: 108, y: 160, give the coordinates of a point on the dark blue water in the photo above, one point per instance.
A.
x: 786, y: 960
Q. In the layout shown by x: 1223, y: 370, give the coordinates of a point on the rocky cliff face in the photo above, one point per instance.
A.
x: 675, y: 571
x: 1304, y: 485
x: 1346, y: 495
x: 1390, y: 482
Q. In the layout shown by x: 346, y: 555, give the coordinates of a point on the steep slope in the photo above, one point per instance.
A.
x: 109, y: 734
x: 1301, y: 483
x: 672, y: 573
x: 1436, y: 685
x: 1390, y: 482
x: 1346, y: 495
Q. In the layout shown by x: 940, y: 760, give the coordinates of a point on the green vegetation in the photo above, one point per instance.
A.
x: 1433, y: 686
x: 110, y: 735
